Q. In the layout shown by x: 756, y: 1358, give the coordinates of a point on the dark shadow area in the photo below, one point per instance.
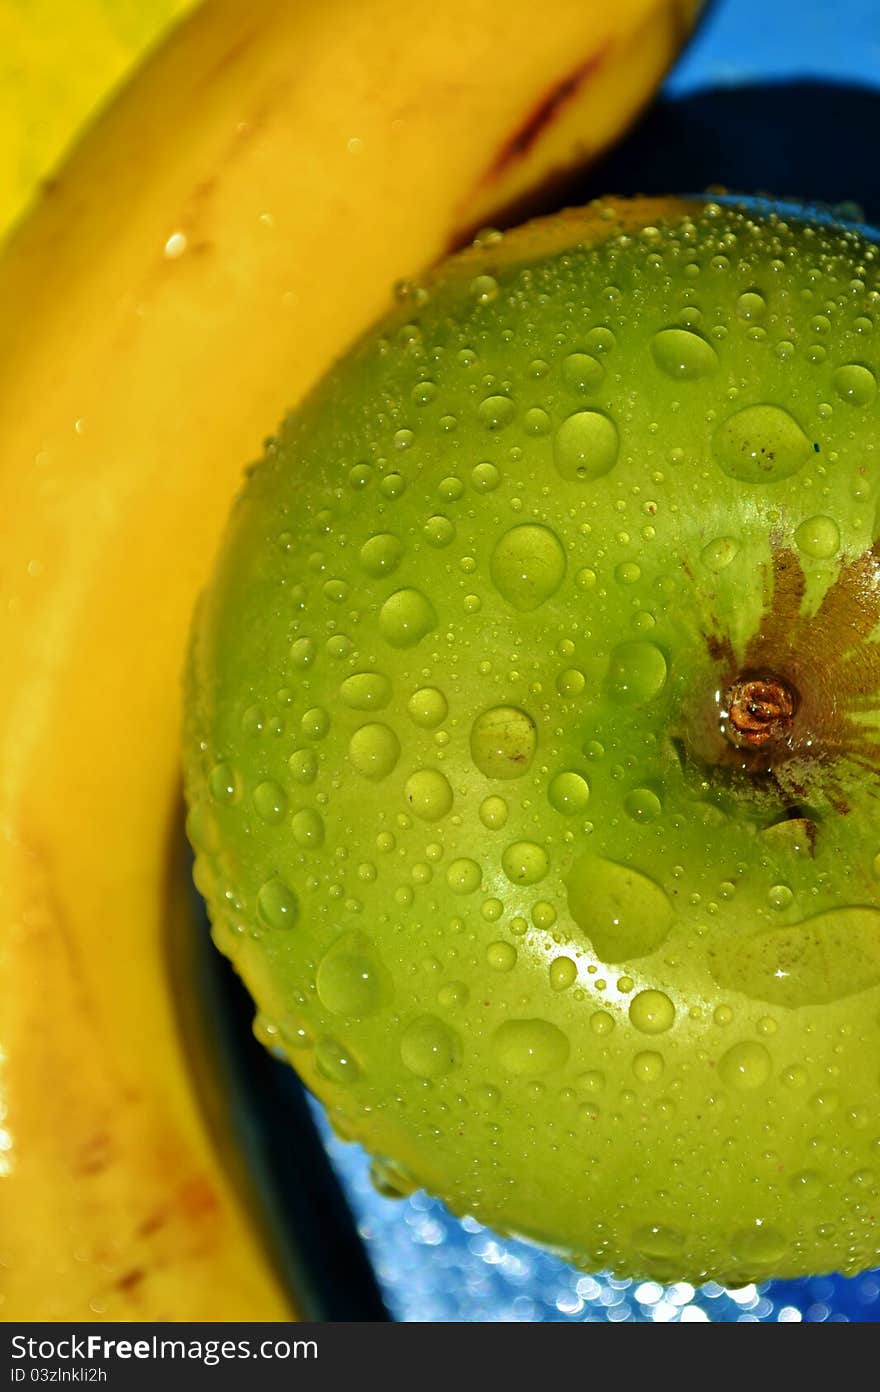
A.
x: 814, y: 141
x: 262, y: 1125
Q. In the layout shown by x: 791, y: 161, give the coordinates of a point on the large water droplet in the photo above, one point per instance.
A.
x: 428, y: 707
x: 495, y: 412
x: 501, y: 956
x: 405, y: 618
x: 586, y: 446
x: 429, y: 1048
x: 651, y: 1012
x: 527, y: 1048
x: 428, y: 794
x: 351, y: 979
x: 381, y: 554
x: 623, y: 913
x: 303, y: 765
x: 636, y: 672
x: 464, y: 876
x: 582, y: 372
x: 819, y: 537
x: 334, y: 1061
x: 270, y: 802
x: 524, y: 862
x: 223, y: 783
x: 855, y: 384
x: 493, y: 813
x: 503, y: 742
x: 758, y: 1245
x: 745, y: 1066
x: 364, y: 691
x: 374, y: 750
x: 308, y: 828
x: 657, y: 1241
x: 683, y: 355
x: 563, y: 973
x: 277, y: 904
x: 569, y: 793
x: 642, y: 805
x: 761, y: 444
x: 825, y: 958
x: 527, y: 566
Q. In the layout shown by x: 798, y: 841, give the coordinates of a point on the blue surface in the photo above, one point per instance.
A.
x: 750, y: 106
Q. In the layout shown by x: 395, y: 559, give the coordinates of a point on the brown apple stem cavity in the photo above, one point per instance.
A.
x: 758, y: 711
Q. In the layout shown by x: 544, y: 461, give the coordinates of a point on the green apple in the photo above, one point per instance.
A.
x: 532, y: 740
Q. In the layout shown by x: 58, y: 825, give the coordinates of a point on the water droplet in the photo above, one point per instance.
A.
x: 651, y: 1012
x: 495, y: 412
x: 439, y: 531
x: 428, y: 794
x: 270, y: 802
x: 536, y: 421
x: 819, y: 537
x: 569, y: 793
x: 484, y: 289
x: 308, y: 829
x: 658, y: 1242
x: 382, y: 554
x: 582, y: 372
x: 527, y: 1048
x: 758, y: 1245
x: 627, y: 573
x: 855, y: 384
x: 524, y: 862
x: 501, y: 956
x: 464, y: 876
x: 335, y: 1062
x: 527, y: 566
x: 365, y: 691
x: 826, y: 958
x: 683, y: 355
x: 405, y: 618
x: 223, y: 783
x: 485, y: 477
x: 391, y: 1180
x: 745, y: 1066
x: 429, y: 1048
x: 428, y: 707
x: 315, y: 723
x: 277, y: 904
x: 586, y: 446
x: 493, y: 813
x: 303, y: 765
x: 636, y: 672
x: 503, y: 742
x: 623, y: 913
x: 751, y: 306
x: 563, y: 973
x: 392, y: 486
x: 302, y: 653
x: 761, y: 444
x: 351, y: 979
x: 202, y: 830
x: 717, y: 555
x: 571, y: 682
x: 601, y: 1022
x: 779, y: 896
x: 648, y: 1066
x: 374, y: 750
x: 642, y: 805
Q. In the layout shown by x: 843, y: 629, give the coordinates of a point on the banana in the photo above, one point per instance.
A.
x: 220, y: 235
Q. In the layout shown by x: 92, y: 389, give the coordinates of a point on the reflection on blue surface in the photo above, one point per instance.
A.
x: 432, y: 1266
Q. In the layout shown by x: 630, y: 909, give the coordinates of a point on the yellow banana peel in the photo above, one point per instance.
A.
x: 216, y: 240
